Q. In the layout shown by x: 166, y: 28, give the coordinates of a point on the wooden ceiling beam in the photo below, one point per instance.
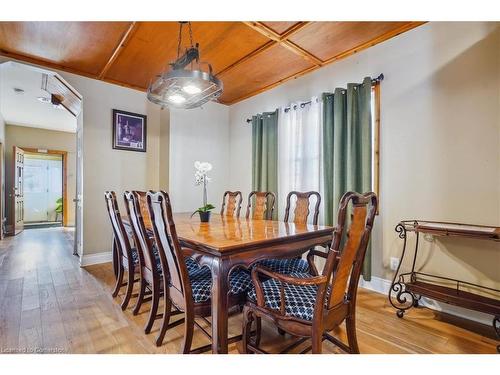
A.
x: 262, y: 48
x: 268, y: 87
x: 53, y: 66
x: 282, y: 39
x: 118, y: 49
x: 388, y: 35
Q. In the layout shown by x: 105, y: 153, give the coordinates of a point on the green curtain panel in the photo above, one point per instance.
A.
x: 347, y: 148
x: 265, y: 154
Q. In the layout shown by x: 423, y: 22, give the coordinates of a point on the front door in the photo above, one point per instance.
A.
x: 18, y: 205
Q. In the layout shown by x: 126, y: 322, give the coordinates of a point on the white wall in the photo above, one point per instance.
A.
x: 440, y: 145
x: 108, y: 169
x: 23, y: 136
x: 198, y: 134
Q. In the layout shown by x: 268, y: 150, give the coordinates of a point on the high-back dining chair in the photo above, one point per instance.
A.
x: 149, y: 263
x: 311, y: 306
x: 127, y: 258
x: 301, y: 210
x: 233, y: 205
x: 189, y: 291
x: 300, y: 214
x: 263, y: 207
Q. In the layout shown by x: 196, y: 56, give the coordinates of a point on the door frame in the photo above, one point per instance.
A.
x: 64, y: 154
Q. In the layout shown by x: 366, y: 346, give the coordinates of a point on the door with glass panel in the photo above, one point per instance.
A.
x: 43, y: 189
x: 18, y: 196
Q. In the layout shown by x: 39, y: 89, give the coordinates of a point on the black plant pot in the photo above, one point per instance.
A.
x: 204, y: 216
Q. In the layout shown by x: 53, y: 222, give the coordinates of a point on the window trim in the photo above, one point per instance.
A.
x: 376, y: 141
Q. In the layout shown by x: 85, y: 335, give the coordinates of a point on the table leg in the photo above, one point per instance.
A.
x: 115, y: 258
x: 220, y: 288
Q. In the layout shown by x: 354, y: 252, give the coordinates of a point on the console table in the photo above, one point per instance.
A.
x: 408, y: 287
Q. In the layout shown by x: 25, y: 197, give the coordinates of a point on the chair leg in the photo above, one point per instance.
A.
x: 188, y: 333
x: 258, y: 331
x: 119, y: 281
x: 317, y: 343
x: 247, y: 328
x: 154, y: 307
x: 130, y: 287
x: 165, y: 321
x: 140, y: 297
x: 350, y: 324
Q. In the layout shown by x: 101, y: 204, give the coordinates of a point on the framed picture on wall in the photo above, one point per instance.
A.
x: 129, y: 131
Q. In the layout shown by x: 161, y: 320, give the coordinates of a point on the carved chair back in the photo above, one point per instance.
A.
x: 141, y: 238
x: 302, y: 202
x: 119, y: 231
x: 169, y: 248
x: 233, y: 207
x: 263, y: 207
x: 143, y: 203
x: 348, y: 261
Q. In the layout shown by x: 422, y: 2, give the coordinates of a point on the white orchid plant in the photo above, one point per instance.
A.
x: 201, y: 178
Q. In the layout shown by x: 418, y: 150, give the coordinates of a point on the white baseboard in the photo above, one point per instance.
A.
x: 97, y: 258
x: 382, y: 286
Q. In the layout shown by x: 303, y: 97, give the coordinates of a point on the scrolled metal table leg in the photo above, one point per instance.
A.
x: 399, y: 297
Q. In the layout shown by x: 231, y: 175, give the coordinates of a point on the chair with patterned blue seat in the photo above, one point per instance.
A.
x: 126, y: 257
x: 189, y: 292
x: 309, y: 306
x: 302, y: 201
x: 151, y: 275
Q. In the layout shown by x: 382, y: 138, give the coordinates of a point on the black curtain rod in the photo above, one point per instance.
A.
x: 303, y: 104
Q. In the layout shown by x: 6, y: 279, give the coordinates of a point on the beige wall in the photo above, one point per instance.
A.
x: 440, y: 144
x: 44, y: 139
x: 108, y: 169
x: 198, y: 134
x: 164, y: 149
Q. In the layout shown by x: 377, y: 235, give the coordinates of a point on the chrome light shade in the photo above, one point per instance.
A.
x: 184, y: 89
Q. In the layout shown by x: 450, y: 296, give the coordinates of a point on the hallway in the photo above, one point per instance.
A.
x: 49, y: 304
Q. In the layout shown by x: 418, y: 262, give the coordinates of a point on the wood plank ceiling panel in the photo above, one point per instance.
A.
x: 154, y: 45
x: 280, y: 27
x: 326, y: 40
x: 81, y: 46
x: 262, y: 71
x: 249, y: 57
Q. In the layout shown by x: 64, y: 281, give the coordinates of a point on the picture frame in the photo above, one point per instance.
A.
x: 129, y: 131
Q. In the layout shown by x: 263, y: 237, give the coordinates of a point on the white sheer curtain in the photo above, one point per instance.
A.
x: 300, y: 139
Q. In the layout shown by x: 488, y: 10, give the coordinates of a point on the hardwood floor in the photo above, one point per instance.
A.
x: 48, y: 304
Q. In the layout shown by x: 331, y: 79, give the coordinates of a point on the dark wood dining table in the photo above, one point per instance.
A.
x: 227, y: 242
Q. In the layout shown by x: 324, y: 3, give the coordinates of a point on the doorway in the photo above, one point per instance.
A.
x: 43, y: 114
x: 43, y: 190
x: 40, y: 198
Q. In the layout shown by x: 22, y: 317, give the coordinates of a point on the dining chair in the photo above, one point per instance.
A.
x: 233, y: 207
x: 127, y: 257
x: 311, y: 305
x: 149, y: 263
x: 301, y: 214
x: 188, y: 290
x: 263, y: 207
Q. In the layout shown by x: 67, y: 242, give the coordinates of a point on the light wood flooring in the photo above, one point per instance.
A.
x: 48, y: 304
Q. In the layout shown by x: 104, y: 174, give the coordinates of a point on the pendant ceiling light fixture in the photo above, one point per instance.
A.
x: 185, y: 85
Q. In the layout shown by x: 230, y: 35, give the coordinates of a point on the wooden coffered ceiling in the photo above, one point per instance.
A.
x: 249, y: 57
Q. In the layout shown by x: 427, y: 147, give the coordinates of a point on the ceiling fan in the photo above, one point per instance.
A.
x: 54, y: 99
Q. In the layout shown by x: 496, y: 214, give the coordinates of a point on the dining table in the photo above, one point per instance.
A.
x: 227, y: 242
